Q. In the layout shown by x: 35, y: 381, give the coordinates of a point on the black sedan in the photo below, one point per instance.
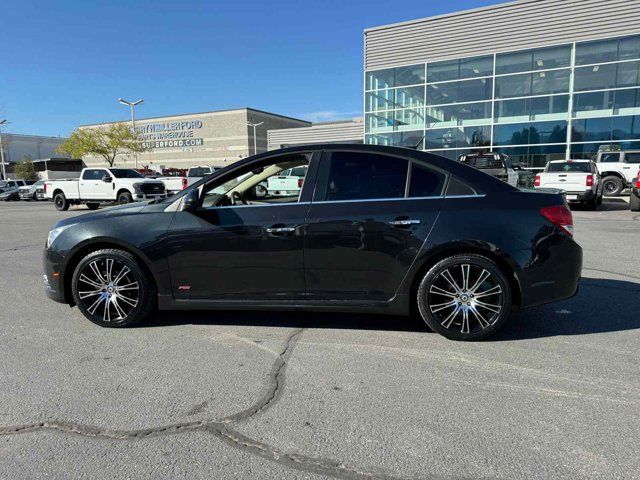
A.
x: 368, y: 229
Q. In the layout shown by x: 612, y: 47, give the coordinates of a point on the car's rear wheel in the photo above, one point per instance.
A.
x: 634, y: 203
x: 612, y: 186
x: 61, y: 203
x: 112, y: 289
x: 464, y: 297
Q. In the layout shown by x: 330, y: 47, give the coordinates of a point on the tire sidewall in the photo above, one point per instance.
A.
x: 618, y: 183
x: 124, y: 198
x: 452, y: 261
x: 64, y: 204
x: 145, y: 292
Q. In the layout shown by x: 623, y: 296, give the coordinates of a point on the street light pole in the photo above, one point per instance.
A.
x: 4, y: 171
x: 132, y: 106
x: 255, y: 143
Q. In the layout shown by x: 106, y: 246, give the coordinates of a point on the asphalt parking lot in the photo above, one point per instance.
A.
x: 271, y: 395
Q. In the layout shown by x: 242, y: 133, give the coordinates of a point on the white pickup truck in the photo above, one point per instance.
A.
x: 287, y: 183
x: 175, y: 184
x: 101, y: 185
x: 578, y: 179
x: 618, y: 170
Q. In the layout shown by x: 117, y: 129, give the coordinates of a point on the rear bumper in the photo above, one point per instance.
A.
x: 553, y: 273
x: 580, y: 196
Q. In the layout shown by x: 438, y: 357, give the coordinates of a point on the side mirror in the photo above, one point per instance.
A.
x: 106, y: 179
x: 191, y: 201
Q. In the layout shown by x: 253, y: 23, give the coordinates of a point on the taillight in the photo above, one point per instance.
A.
x: 638, y: 180
x: 45, y: 188
x: 536, y: 181
x: 185, y: 183
x: 560, y: 216
x: 300, y: 180
x: 589, y: 180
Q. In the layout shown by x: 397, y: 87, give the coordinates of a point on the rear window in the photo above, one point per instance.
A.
x: 569, y: 167
x: 484, y: 162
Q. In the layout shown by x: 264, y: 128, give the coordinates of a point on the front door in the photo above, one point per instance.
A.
x: 242, y: 245
x: 370, y: 216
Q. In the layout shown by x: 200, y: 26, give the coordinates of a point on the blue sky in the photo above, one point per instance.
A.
x: 65, y: 63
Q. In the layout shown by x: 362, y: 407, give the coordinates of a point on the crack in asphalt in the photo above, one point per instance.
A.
x: 222, y: 429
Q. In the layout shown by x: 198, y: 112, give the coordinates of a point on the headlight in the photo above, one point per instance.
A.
x: 137, y: 187
x: 53, y: 234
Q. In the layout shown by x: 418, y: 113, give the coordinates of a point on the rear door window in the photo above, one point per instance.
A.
x: 425, y: 182
x: 93, y: 174
x: 361, y: 176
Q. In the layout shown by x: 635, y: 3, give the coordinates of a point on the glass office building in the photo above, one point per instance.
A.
x: 535, y: 105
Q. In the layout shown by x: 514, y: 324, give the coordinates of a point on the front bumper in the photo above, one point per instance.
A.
x: 141, y: 197
x: 52, y: 277
x: 26, y: 195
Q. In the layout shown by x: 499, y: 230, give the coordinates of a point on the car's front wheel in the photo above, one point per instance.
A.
x: 124, y: 198
x: 464, y: 297
x: 112, y: 289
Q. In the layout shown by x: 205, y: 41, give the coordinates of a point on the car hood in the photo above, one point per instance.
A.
x: 117, y: 211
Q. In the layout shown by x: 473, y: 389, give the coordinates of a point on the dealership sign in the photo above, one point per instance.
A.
x: 171, y: 134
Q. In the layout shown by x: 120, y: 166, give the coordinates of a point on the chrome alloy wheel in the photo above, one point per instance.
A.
x: 108, y: 289
x: 465, y: 297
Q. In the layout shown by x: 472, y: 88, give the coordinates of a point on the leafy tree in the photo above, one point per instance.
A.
x: 24, y: 169
x: 106, y: 142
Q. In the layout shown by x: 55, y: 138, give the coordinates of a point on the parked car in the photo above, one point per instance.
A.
x: 374, y: 229
x: 634, y: 200
x: 618, y: 170
x: 9, y: 189
x: 500, y: 166
x: 98, y: 185
x: 174, y: 184
x: 30, y: 192
x: 578, y: 179
x: 287, y: 183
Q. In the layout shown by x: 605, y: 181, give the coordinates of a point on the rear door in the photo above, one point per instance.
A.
x: 92, y: 187
x: 370, y: 216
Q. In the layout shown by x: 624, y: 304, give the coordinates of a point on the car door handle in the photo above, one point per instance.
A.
x: 281, y: 230
x: 404, y: 223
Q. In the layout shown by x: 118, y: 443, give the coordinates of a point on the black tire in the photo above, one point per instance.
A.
x: 612, y: 186
x: 428, y: 295
x: 93, y: 206
x: 145, y: 303
x: 124, y: 198
x: 600, y: 200
x: 634, y: 203
x: 61, y: 203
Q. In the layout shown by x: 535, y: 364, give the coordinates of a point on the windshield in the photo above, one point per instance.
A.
x: 199, y: 172
x: 584, y: 167
x: 126, y: 173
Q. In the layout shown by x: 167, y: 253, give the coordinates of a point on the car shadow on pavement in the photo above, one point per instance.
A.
x: 602, y: 305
